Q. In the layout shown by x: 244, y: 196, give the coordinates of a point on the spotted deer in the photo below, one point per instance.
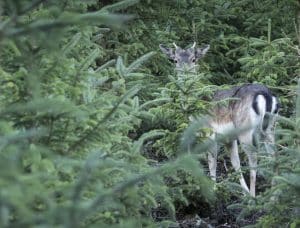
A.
x: 251, y: 107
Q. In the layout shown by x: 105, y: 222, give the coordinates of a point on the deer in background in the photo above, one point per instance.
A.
x: 251, y: 107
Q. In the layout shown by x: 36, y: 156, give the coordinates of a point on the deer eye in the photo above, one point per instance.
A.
x: 193, y: 60
x: 175, y: 61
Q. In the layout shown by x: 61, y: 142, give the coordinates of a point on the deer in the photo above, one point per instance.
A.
x: 251, y: 107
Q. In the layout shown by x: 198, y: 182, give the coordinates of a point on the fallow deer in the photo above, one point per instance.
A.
x: 251, y: 107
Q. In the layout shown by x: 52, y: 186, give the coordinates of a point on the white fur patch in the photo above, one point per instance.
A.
x: 274, y: 104
x: 222, y: 128
x: 261, y: 105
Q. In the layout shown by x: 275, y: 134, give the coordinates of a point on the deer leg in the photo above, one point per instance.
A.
x: 268, y: 134
x: 246, y: 140
x: 212, y: 159
x: 269, y: 138
x: 235, y: 161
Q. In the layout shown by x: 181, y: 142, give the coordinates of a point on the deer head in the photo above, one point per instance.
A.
x: 185, y: 59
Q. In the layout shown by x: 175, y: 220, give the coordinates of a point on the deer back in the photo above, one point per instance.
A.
x: 241, y: 106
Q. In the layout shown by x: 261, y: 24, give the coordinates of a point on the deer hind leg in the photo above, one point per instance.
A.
x: 246, y: 140
x: 268, y: 132
x: 212, y: 159
x: 235, y: 161
x: 268, y: 122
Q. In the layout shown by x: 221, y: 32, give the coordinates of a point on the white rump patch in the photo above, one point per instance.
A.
x: 257, y: 119
x: 261, y: 104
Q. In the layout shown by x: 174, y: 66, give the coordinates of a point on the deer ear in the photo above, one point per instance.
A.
x: 167, y: 51
x: 200, y: 52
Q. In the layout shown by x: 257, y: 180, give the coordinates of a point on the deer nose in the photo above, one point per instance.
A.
x: 183, y: 65
x: 186, y: 67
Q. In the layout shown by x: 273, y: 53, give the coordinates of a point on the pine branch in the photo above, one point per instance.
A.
x: 89, y: 60
x: 154, y: 102
x: 90, y: 164
x: 298, y: 23
x: 119, y: 5
x: 137, y: 63
x: 31, y: 6
x: 188, y: 162
x: 105, y: 65
x: 72, y: 43
x: 146, y: 136
x: 17, y: 137
x: 94, y: 18
x: 88, y: 133
x: 298, y: 101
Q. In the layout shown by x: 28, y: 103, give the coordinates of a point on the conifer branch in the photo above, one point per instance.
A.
x: 31, y: 6
x: 88, y: 133
x: 119, y: 5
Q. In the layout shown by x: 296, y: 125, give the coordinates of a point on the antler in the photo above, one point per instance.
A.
x: 175, y: 45
x: 194, y: 45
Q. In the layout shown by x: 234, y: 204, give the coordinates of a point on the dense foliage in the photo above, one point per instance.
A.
x: 94, y: 125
